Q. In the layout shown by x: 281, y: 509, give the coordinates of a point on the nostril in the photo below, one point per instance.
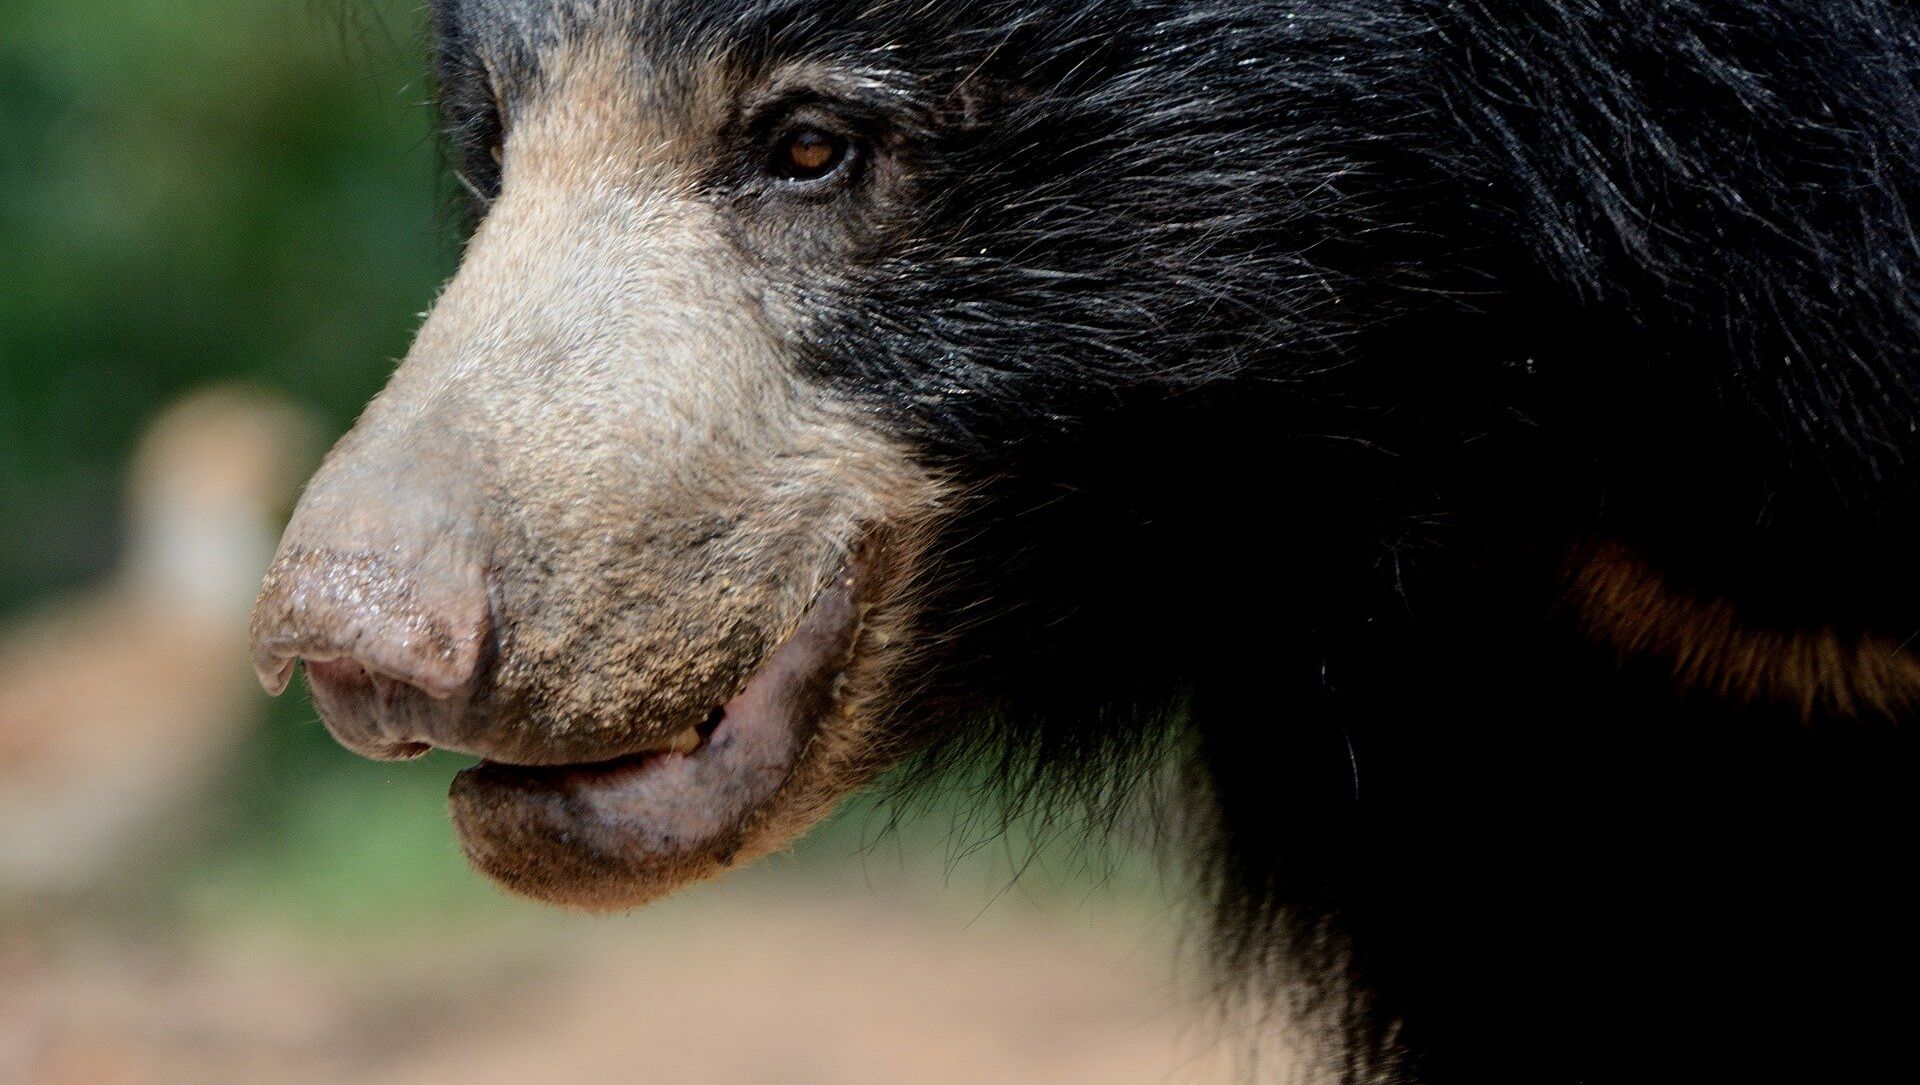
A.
x: 353, y: 678
x: 352, y: 698
x: 340, y: 674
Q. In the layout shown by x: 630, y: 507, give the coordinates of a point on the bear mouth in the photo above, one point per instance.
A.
x: 619, y: 832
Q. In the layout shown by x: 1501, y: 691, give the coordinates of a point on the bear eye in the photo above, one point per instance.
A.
x: 810, y: 154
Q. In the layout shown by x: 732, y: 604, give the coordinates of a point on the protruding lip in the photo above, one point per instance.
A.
x: 616, y: 833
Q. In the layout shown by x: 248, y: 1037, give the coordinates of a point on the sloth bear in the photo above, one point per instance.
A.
x: 1480, y: 438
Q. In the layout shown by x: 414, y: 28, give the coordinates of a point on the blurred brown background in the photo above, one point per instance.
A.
x: 218, y: 219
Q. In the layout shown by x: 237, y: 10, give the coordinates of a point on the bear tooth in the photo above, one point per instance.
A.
x: 686, y: 741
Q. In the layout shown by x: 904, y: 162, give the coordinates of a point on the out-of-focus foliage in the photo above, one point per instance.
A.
x: 190, y: 191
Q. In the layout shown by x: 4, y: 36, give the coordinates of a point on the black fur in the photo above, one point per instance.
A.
x: 1286, y: 348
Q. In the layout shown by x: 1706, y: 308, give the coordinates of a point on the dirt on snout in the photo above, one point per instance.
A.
x: 756, y: 984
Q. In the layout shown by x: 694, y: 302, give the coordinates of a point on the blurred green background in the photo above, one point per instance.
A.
x: 190, y: 191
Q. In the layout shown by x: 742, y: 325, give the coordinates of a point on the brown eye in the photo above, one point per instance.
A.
x: 809, y: 154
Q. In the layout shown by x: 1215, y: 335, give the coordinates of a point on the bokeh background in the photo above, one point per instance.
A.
x: 195, y: 883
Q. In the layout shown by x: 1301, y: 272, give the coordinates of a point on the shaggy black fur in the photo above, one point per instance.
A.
x: 1287, y: 346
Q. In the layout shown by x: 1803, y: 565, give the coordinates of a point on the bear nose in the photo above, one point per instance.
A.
x: 338, y: 610
x: 387, y: 651
x: 379, y: 587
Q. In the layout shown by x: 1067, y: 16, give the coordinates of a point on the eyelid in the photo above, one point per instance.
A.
x: 768, y: 135
x: 786, y: 123
x: 851, y: 118
x: 767, y: 117
x: 846, y: 156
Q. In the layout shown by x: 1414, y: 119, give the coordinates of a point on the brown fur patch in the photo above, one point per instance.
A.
x: 1710, y: 646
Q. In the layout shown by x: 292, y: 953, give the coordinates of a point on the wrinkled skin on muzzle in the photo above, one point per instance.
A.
x: 598, y: 532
